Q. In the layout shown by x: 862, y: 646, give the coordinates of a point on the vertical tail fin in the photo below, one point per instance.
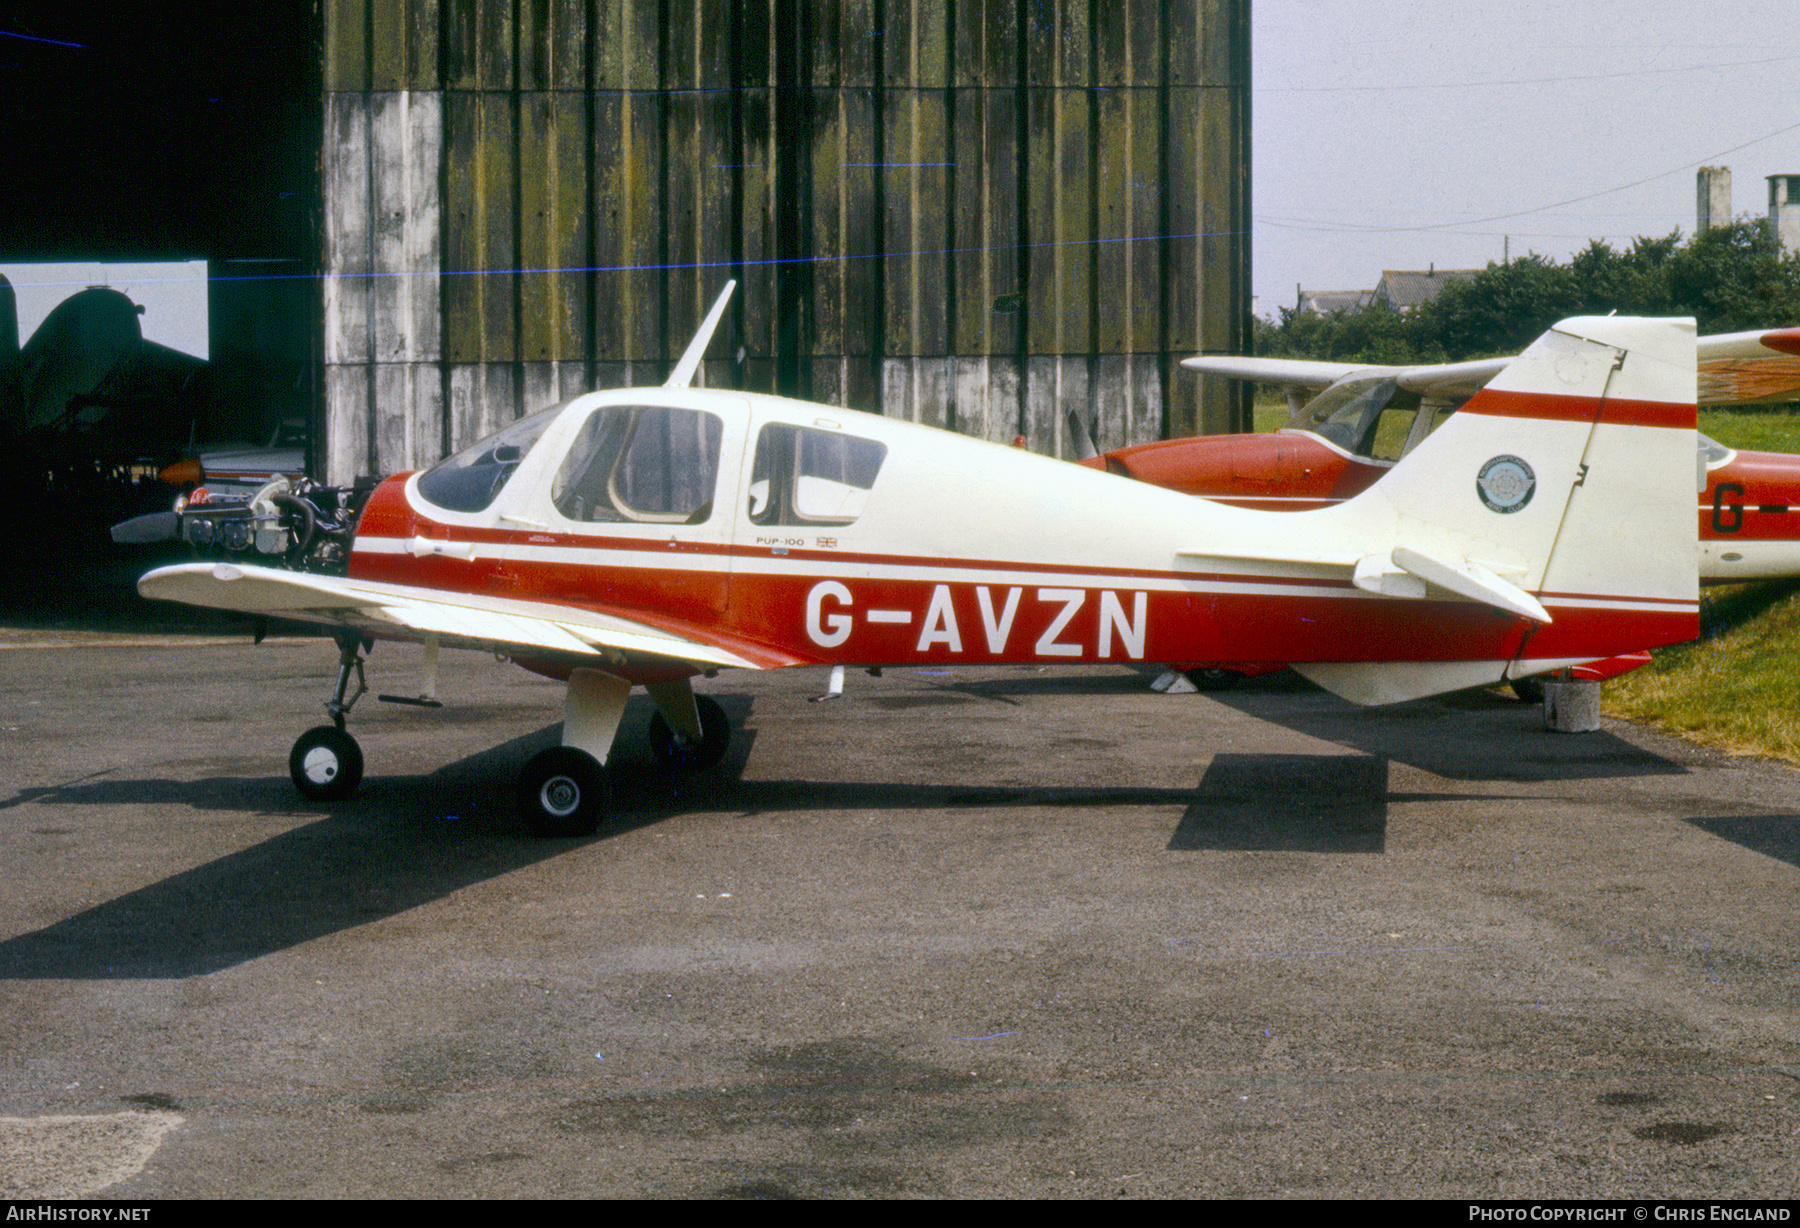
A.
x: 1565, y: 485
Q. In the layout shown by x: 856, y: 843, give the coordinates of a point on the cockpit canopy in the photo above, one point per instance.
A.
x: 663, y: 464
x: 1371, y: 417
x: 656, y: 464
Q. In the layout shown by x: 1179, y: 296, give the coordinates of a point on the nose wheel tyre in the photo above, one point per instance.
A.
x: 326, y: 764
x: 563, y: 792
x: 676, y: 751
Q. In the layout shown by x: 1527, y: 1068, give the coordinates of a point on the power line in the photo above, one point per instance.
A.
x: 1501, y: 217
x: 1459, y: 85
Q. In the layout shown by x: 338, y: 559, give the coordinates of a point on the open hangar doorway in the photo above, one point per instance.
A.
x: 165, y: 165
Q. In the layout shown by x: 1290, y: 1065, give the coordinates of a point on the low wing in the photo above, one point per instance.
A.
x: 458, y: 620
x: 1735, y: 369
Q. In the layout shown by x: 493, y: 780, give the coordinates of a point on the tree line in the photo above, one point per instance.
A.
x: 1731, y: 278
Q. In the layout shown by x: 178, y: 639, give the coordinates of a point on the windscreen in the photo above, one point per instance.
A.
x: 471, y: 480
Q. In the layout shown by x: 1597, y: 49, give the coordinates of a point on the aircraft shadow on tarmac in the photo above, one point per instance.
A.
x: 1300, y: 803
x: 1468, y: 735
x: 404, y: 841
x: 1772, y: 835
x: 400, y: 842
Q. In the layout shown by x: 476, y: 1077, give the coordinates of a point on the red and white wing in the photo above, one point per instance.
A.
x: 1750, y: 368
x: 458, y: 620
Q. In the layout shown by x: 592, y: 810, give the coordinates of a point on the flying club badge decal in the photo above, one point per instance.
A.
x: 1505, y: 484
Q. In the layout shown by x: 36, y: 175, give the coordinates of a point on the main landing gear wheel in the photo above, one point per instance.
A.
x: 1214, y: 679
x: 563, y: 792
x: 677, y: 751
x: 326, y: 764
x: 1531, y: 689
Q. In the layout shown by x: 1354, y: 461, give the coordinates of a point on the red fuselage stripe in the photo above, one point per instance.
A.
x: 1613, y: 411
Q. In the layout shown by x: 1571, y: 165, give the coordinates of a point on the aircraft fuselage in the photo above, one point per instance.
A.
x: 957, y: 551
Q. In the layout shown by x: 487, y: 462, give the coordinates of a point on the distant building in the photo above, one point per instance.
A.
x: 1712, y: 197
x: 1784, y: 211
x: 1405, y: 289
x: 1329, y: 302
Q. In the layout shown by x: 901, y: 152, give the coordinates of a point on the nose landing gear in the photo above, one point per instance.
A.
x: 326, y: 763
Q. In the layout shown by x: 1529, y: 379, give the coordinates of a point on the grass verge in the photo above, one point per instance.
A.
x: 1737, y: 687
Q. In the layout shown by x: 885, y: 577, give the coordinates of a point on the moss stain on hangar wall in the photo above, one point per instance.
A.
x: 974, y: 213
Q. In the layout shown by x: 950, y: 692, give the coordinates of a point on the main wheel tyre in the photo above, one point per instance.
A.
x: 326, y: 764
x: 677, y: 751
x: 1531, y: 689
x: 563, y: 792
x: 1214, y: 679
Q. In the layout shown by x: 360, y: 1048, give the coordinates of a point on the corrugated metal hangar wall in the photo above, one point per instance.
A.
x: 972, y: 213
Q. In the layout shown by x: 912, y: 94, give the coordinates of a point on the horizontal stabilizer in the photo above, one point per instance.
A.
x: 1403, y: 572
x: 1377, y: 573
x: 1473, y: 581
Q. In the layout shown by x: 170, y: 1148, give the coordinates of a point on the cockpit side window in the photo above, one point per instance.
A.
x: 805, y: 476
x: 1392, y: 429
x: 645, y: 463
x: 472, y: 479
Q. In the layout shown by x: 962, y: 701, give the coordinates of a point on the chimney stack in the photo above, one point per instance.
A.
x: 1712, y: 197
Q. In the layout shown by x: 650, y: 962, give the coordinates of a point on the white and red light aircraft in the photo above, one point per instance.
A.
x: 643, y: 536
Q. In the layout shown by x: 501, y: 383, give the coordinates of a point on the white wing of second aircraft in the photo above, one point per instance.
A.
x: 1445, y: 381
x: 1735, y: 369
x: 1750, y: 368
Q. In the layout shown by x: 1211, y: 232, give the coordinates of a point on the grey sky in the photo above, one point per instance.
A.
x: 1400, y: 135
x: 172, y: 294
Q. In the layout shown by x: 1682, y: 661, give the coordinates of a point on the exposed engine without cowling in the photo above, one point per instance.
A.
x: 291, y: 522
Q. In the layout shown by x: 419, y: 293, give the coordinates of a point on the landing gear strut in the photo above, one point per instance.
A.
x: 566, y: 790
x: 679, y: 751
x: 326, y: 763
x: 563, y: 791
